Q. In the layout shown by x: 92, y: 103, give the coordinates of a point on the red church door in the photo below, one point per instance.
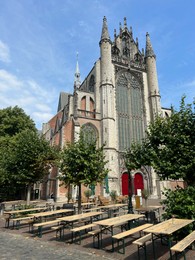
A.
x: 125, y: 184
x: 138, y: 182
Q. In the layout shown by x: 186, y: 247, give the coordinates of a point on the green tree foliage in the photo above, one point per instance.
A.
x: 82, y: 163
x: 24, y: 155
x: 171, y: 143
x: 169, y: 147
x: 27, y: 160
x: 32, y: 157
x: 180, y: 203
x: 14, y: 120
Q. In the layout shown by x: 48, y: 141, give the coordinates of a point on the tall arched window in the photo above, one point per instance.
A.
x: 129, y: 106
x: 91, y: 84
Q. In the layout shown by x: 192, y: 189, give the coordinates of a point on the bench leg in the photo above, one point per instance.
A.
x: 99, y: 241
x: 39, y: 232
x: 123, y: 246
x: 145, y: 254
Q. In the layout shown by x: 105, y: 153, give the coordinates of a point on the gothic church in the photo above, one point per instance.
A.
x: 115, y: 102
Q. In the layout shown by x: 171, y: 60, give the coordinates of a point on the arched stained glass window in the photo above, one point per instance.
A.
x: 92, y: 83
x: 129, y: 106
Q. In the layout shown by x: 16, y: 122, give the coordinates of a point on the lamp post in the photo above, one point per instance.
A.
x: 130, y: 205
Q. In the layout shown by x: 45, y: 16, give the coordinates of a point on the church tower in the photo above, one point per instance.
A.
x: 154, y: 96
x: 108, y: 114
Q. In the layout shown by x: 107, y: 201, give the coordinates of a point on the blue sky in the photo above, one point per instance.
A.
x: 39, y: 41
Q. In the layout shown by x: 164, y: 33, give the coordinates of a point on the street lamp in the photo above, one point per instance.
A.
x: 130, y: 205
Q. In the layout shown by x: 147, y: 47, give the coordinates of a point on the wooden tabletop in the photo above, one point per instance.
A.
x: 113, y: 206
x: 80, y: 216
x: 148, y: 208
x: 116, y: 220
x: 49, y: 213
x: 22, y: 210
x: 169, y: 226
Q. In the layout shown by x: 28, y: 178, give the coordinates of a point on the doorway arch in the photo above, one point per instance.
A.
x: 125, y: 184
x: 138, y: 182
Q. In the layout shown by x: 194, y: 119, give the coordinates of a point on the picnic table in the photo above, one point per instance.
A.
x: 13, y: 213
x: 167, y: 228
x: 69, y: 220
x: 110, y: 223
x: 46, y: 214
x: 149, y: 211
x: 111, y: 207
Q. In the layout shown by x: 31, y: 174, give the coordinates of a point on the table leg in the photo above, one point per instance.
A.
x: 112, y: 239
x: 170, y: 245
x: 153, y: 247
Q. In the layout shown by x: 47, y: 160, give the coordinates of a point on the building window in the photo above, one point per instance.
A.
x: 129, y: 107
x: 91, y: 84
x: 89, y: 133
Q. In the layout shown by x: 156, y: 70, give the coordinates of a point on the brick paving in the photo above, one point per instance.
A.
x: 22, y: 245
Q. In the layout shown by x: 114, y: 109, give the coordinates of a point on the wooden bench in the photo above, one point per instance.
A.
x: 42, y: 224
x: 120, y: 237
x: 7, y: 219
x: 141, y: 243
x: 181, y: 246
x: 77, y: 231
x: 96, y: 234
x: 58, y: 228
x: 16, y: 221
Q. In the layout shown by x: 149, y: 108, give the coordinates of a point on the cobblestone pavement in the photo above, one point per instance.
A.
x: 22, y: 245
x: 17, y: 247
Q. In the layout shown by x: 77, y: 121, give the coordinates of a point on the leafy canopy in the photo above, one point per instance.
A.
x: 169, y: 146
x: 82, y: 163
x: 30, y: 157
x: 14, y: 120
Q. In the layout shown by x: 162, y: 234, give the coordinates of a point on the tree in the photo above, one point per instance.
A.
x: 82, y: 163
x: 135, y: 158
x: 169, y: 147
x: 171, y: 143
x: 28, y: 160
x: 14, y: 120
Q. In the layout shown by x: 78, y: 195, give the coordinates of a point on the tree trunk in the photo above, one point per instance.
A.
x: 28, y: 194
x: 79, y: 199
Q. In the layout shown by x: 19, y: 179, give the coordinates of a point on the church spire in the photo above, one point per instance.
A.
x: 149, y: 49
x: 77, y: 81
x: 105, y: 34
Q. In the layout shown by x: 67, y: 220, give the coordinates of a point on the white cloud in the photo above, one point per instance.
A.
x: 9, y: 81
x: 27, y: 94
x: 42, y: 117
x: 4, y: 52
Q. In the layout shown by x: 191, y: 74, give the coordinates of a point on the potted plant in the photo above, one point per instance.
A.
x: 145, y: 195
x: 113, y: 195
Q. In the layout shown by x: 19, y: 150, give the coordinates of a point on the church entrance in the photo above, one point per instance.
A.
x: 138, y: 182
x: 125, y: 184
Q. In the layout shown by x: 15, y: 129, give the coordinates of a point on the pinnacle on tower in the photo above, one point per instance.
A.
x: 77, y: 81
x: 125, y: 22
x: 105, y: 34
x: 149, y: 49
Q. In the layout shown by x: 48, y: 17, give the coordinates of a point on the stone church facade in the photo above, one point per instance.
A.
x: 115, y: 102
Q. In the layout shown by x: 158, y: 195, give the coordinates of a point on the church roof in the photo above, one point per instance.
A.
x: 63, y: 100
